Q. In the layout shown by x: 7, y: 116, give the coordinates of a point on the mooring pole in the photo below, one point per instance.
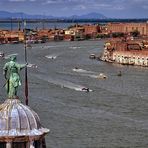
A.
x: 26, y: 73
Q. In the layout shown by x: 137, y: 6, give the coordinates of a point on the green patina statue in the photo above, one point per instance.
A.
x: 11, y: 72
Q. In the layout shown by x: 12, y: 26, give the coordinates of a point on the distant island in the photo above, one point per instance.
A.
x: 21, y: 15
x: 9, y: 17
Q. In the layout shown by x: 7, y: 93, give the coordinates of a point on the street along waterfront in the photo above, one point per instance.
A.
x: 113, y: 115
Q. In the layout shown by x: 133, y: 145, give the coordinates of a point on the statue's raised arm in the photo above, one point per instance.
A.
x: 11, y: 72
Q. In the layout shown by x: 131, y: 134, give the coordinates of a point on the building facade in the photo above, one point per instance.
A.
x: 128, y: 27
x: 91, y: 29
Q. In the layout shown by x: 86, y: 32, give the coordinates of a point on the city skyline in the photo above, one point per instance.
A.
x: 109, y: 8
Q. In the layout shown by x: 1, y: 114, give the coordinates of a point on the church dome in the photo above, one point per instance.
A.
x: 19, y: 121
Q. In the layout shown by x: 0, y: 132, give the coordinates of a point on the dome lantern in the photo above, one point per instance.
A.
x: 20, y: 125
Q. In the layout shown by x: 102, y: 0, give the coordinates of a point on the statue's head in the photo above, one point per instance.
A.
x: 13, y: 58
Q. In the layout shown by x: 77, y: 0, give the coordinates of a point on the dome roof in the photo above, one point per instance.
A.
x: 18, y: 120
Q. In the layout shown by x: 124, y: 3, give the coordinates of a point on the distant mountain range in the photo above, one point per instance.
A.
x: 20, y: 15
x: 92, y: 15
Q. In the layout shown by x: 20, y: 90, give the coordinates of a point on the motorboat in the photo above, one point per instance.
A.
x: 76, y: 69
x: 32, y: 65
x: 2, y: 54
x: 51, y: 57
x: 119, y: 74
x: 92, y: 56
x: 86, y: 89
x: 102, y: 76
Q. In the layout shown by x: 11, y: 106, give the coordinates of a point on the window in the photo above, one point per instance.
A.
x: 126, y: 29
x: 134, y: 47
x: 143, y: 30
x: 37, y: 144
x: 19, y: 145
x: 2, y: 145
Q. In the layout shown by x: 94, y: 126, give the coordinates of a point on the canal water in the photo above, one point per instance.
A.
x: 113, y: 115
x: 40, y: 25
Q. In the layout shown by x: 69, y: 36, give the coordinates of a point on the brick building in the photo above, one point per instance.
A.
x: 128, y: 27
x: 91, y: 29
x: 11, y: 36
x: 2, y: 40
x: 75, y: 31
x: 68, y: 37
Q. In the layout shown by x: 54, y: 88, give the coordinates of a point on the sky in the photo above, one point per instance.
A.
x: 109, y: 8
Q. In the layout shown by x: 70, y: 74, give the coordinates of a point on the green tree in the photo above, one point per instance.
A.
x: 117, y: 34
x: 135, y: 33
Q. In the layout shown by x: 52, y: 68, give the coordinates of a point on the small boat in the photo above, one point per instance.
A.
x: 51, y: 57
x: 2, y: 54
x: 76, y: 69
x: 29, y: 46
x: 14, y: 42
x: 92, y: 56
x: 32, y: 65
x: 119, y: 74
x: 102, y: 76
x: 85, y: 89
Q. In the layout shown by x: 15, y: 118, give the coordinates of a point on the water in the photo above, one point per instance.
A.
x: 39, y: 25
x: 113, y: 115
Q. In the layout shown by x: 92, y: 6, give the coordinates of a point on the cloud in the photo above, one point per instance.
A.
x: 140, y: 1
x: 102, y: 5
x: 119, y: 7
x: 17, y: 0
x: 145, y: 7
x: 50, y: 2
x: 111, y: 8
x: 80, y: 7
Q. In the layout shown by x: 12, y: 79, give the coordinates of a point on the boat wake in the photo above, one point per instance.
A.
x: 90, y: 73
x: 74, y: 47
x: 65, y: 84
x: 47, y: 47
x: 74, y: 86
x: 82, y: 70
x: 99, y: 76
x: 8, y: 56
x: 43, y: 47
x: 52, y: 56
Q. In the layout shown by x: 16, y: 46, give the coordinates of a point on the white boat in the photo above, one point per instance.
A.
x: 32, y: 66
x: 79, y: 70
x: 92, y: 56
x: 102, y: 76
x: 51, y: 57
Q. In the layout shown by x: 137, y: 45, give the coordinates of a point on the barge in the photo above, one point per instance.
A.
x: 126, y: 52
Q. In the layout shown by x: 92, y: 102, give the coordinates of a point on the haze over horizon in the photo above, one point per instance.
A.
x: 109, y: 8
